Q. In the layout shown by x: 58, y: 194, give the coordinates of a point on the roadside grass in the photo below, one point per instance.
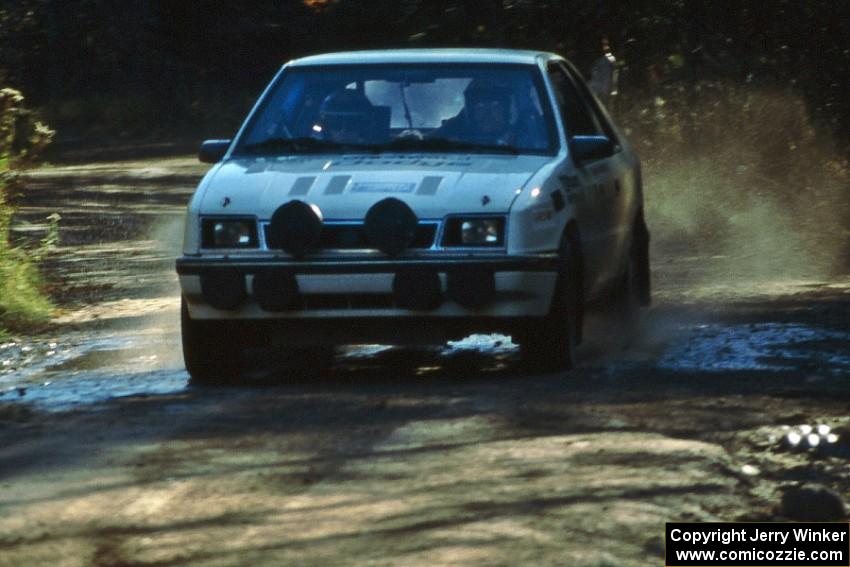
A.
x: 23, y: 305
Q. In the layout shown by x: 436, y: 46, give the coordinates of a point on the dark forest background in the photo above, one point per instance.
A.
x: 153, y: 68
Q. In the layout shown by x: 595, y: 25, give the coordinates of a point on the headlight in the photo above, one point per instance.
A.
x: 475, y: 232
x: 480, y: 232
x: 229, y: 233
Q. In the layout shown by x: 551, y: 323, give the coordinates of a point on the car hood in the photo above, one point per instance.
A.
x: 345, y: 187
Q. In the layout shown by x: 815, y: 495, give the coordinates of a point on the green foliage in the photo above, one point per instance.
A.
x: 22, y: 138
x: 22, y: 305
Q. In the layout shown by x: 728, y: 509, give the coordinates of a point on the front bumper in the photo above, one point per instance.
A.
x: 364, y: 287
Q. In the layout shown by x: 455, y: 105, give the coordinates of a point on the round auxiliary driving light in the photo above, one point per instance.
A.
x: 223, y: 289
x: 417, y: 289
x: 472, y: 288
x: 390, y: 225
x: 276, y: 290
x: 295, y: 228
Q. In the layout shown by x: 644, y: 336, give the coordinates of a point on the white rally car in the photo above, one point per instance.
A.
x: 412, y: 196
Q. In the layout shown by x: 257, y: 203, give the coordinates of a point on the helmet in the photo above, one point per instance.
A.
x: 489, y: 109
x: 346, y: 109
x: 479, y: 90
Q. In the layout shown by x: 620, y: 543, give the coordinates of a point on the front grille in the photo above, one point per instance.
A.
x: 353, y: 236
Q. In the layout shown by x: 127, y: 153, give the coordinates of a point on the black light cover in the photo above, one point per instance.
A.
x: 471, y: 287
x: 276, y: 290
x: 417, y: 289
x: 295, y: 228
x: 390, y: 225
x: 223, y: 289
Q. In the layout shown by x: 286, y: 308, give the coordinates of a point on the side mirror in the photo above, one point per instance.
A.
x: 589, y: 148
x: 213, y: 150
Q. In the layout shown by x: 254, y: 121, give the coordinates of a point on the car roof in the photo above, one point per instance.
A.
x: 455, y: 55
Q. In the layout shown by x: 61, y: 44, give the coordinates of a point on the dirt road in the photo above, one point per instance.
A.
x: 396, y: 456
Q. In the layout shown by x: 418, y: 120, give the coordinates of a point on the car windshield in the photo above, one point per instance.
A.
x: 403, y: 108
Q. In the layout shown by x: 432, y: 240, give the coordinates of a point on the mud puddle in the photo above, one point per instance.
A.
x: 90, y: 368
x: 86, y: 370
x: 758, y: 346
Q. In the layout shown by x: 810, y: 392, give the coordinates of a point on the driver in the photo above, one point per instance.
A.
x: 346, y: 117
x: 485, y: 118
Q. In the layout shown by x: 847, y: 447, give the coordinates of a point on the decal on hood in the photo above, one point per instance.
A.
x: 429, y: 185
x: 382, y: 187
x: 302, y: 186
x: 337, y: 184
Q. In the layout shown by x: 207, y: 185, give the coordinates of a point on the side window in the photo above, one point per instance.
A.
x: 578, y: 119
x: 585, y: 94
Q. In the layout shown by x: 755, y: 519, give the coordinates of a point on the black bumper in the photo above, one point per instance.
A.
x: 545, y: 262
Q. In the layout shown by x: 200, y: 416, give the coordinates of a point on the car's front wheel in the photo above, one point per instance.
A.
x: 212, y: 350
x: 550, y: 344
x: 625, y: 304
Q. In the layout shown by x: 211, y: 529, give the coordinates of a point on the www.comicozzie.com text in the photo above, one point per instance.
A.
x: 727, y: 536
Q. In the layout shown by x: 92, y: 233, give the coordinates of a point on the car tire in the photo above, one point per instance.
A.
x: 625, y: 304
x: 212, y: 350
x: 641, y: 244
x: 550, y: 345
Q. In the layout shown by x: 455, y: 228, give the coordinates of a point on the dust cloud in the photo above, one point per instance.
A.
x: 160, y: 332
x: 741, y: 189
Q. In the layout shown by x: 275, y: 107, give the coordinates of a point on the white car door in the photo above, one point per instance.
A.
x: 592, y: 186
x: 623, y: 193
